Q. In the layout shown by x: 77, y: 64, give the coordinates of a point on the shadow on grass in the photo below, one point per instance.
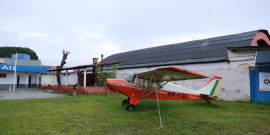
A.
x: 214, y: 105
x: 151, y: 105
x: 259, y: 103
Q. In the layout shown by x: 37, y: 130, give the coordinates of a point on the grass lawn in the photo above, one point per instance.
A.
x: 95, y: 114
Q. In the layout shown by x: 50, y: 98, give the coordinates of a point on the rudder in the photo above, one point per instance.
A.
x: 211, y: 87
x: 215, y: 88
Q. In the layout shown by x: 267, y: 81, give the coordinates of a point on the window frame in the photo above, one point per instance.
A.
x: 3, y: 75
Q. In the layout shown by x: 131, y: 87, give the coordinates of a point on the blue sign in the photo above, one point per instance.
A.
x: 21, y: 68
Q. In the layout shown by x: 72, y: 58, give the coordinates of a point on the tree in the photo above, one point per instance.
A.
x: 6, y: 52
x: 103, y: 75
x: 63, y: 62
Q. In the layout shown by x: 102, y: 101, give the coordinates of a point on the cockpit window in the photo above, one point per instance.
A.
x: 145, y: 83
x: 141, y: 82
x: 130, y: 78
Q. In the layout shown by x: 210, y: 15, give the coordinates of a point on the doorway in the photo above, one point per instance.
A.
x: 18, y: 81
x: 39, y: 81
x: 29, y: 82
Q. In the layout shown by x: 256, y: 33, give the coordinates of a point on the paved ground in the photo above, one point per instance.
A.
x: 28, y: 93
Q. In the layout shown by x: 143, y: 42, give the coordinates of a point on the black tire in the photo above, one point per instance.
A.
x: 130, y: 107
x: 124, y: 102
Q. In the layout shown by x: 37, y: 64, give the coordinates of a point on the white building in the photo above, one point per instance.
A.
x: 28, y: 72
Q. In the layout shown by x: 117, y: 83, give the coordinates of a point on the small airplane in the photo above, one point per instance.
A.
x: 143, y: 85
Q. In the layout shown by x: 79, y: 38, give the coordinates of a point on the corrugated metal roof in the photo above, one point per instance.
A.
x: 185, y: 53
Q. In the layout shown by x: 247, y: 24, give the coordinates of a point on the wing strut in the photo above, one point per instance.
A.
x: 148, y: 84
x: 154, y: 89
x: 163, y: 84
x: 158, y: 104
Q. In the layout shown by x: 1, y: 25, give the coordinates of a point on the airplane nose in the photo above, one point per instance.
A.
x: 109, y: 84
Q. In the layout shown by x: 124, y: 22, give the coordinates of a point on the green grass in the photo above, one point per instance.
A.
x: 95, y: 114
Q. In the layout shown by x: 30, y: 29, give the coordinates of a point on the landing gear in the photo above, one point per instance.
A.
x: 130, y: 107
x: 124, y: 102
x: 208, y: 102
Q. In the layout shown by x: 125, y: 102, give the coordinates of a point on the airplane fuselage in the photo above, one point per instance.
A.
x: 131, y: 90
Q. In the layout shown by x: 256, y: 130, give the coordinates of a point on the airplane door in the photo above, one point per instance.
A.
x: 18, y: 81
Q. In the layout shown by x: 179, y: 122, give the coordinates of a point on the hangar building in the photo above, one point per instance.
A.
x: 231, y: 57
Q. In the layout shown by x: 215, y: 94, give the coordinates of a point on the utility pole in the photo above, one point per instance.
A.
x: 15, y: 73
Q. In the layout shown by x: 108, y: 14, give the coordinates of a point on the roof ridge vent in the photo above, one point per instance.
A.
x: 205, y: 44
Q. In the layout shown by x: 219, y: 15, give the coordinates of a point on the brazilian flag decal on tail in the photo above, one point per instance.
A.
x: 215, y: 88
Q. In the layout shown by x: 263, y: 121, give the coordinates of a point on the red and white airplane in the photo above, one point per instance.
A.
x: 155, y: 84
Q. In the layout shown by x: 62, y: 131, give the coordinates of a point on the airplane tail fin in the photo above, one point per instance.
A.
x: 211, y: 87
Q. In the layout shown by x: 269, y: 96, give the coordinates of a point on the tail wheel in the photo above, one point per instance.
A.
x: 124, y: 102
x: 130, y: 107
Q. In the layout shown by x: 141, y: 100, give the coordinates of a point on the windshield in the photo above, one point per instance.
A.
x: 130, y: 78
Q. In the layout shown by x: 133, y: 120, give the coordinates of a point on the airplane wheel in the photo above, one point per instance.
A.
x: 124, y: 102
x: 130, y: 107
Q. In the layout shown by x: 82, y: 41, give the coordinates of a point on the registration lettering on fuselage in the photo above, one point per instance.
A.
x: 178, y: 95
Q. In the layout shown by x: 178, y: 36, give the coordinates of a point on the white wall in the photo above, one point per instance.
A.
x: 72, y: 79
x: 47, y: 79
x: 23, y: 77
x: 9, y: 78
x: 235, y: 83
x: 123, y: 72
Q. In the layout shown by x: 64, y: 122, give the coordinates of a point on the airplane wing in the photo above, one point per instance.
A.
x: 171, y: 73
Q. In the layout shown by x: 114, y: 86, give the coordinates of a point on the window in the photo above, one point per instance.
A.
x: 3, y: 75
x: 141, y: 82
x: 144, y: 83
x: 130, y: 78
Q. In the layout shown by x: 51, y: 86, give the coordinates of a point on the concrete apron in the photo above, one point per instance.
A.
x: 27, y: 93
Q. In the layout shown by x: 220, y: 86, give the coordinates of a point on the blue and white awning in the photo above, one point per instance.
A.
x: 21, y: 68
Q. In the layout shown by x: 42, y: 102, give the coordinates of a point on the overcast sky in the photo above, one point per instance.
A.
x: 90, y: 28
